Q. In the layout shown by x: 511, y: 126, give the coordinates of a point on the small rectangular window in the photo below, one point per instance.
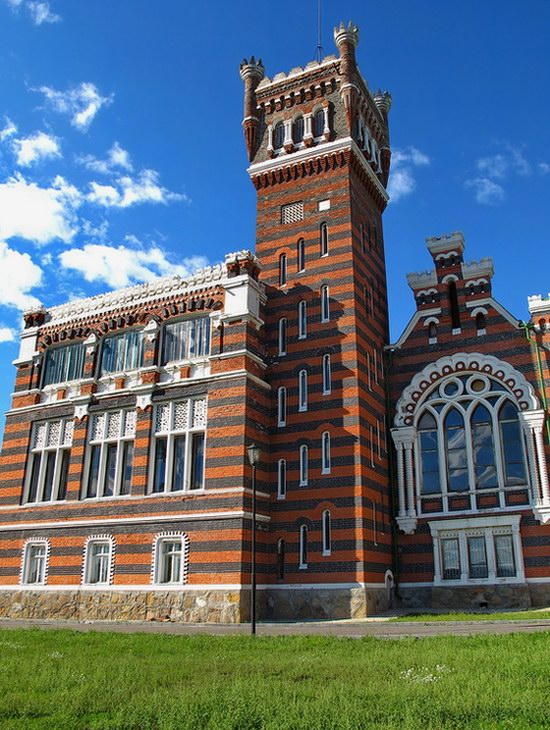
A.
x: 170, y: 556
x: 98, y: 562
x: 477, y: 557
x: 292, y: 213
x: 504, y: 556
x: 450, y: 555
x: 34, y: 563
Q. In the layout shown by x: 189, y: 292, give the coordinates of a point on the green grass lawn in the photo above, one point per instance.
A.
x: 474, y: 616
x: 63, y: 679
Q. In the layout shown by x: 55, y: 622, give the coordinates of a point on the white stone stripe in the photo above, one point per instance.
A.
x: 193, y: 587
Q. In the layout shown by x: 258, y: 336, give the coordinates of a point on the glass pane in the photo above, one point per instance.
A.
x: 430, y: 482
x: 427, y: 422
x: 35, y: 472
x: 63, y: 474
x: 48, y: 480
x: 486, y: 477
x: 504, y: 553
x: 458, y: 480
x: 430, y: 461
x: 178, y: 464
x: 510, y: 434
x: 160, y: 465
x: 477, y: 557
x: 127, y: 459
x: 122, y: 352
x: 451, y: 559
x: 36, y: 561
x: 197, y: 461
x: 93, y: 476
x: 110, y: 470
x: 454, y: 418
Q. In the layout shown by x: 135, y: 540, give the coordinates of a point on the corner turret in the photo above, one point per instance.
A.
x: 252, y: 72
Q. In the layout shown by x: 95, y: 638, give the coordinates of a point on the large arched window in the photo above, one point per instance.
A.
x: 455, y: 448
x: 279, y: 135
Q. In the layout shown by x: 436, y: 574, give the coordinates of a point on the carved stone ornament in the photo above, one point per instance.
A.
x: 144, y: 401
x: 81, y: 411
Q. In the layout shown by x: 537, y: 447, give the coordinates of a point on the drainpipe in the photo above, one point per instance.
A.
x: 528, y: 328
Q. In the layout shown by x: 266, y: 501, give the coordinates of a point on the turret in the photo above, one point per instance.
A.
x: 383, y: 102
x: 252, y: 72
x: 346, y: 39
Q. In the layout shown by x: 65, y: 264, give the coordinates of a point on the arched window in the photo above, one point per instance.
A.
x: 298, y: 130
x: 455, y: 443
x: 281, y: 406
x: 301, y: 255
x: 283, y: 326
x: 325, y: 452
x: 325, y: 311
x: 432, y: 333
x: 302, y: 320
x: 282, y: 269
x: 510, y: 438
x: 303, y: 546
x: 280, y: 559
x: 319, y: 123
x: 429, y: 454
x: 327, y: 375
x: 481, y: 425
x: 281, y: 479
x: 453, y: 305
x: 279, y: 135
x: 480, y: 323
x: 302, y: 390
x: 326, y: 532
x: 323, y: 239
x: 304, y: 466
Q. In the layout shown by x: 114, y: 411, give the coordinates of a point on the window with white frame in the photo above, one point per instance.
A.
x: 469, y: 440
x: 304, y: 465
x: 326, y: 530
x: 63, y: 364
x: 48, y: 472
x: 111, y: 454
x: 482, y: 550
x: 302, y: 390
x: 186, y: 339
x: 281, y: 406
x: 279, y: 135
x: 319, y: 123
x: 303, y: 547
x: 170, y: 559
x: 298, y: 130
x: 122, y: 352
x: 35, y: 562
x: 323, y: 239
x: 302, y: 320
x: 325, y: 453
x: 98, y: 560
x: 325, y: 310
x: 178, y: 446
x: 301, y: 255
x: 283, y: 329
x: 327, y: 375
x: 281, y: 479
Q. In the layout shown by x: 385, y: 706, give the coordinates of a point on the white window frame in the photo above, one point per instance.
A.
x: 304, y: 465
x: 87, y: 565
x: 45, y: 441
x: 303, y: 548
x: 325, y: 453
x: 302, y: 391
x: 170, y: 434
x: 204, y: 339
x: 126, y: 368
x: 281, y: 406
x: 126, y: 435
x: 283, y: 335
x: 487, y: 527
x: 158, y: 559
x: 26, y: 562
x: 326, y: 367
x: 326, y: 530
x: 302, y: 319
x: 325, y: 303
x: 281, y: 479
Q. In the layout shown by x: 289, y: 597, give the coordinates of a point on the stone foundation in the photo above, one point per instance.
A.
x: 540, y: 594
x: 185, y: 606
x: 468, y: 597
x: 324, y: 603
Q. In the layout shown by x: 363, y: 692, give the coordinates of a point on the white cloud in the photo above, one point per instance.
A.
x: 117, y: 158
x: 18, y: 275
x: 543, y: 168
x: 81, y: 103
x: 7, y: 334
x: 9, y: 130
x: 494, y: 167
x: 33, y: 149
x: 41, y: 13
x: 119, y: 266
x: 486, y: 191
x: 39, y: 214
x: 402, y: 181
x: 144, y: 188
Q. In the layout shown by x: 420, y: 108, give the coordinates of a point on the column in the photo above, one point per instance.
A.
x: 532, y: 423
x: 404, y: 439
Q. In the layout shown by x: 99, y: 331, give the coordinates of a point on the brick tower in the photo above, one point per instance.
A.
x: 318, y: 145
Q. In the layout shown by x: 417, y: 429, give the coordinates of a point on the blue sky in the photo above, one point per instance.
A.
x: 122, y: 155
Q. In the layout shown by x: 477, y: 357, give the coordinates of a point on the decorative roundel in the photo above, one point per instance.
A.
x: 413, y: 395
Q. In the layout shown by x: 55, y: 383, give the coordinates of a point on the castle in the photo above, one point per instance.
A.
x: 411, y: 473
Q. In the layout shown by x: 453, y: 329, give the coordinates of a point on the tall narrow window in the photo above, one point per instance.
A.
x: 301, y: 255
x: 450, y: 555
x: 325, y: 311
x: 298, y: 130
x: 110, y: 459
x: 282, y: 269
x: 457, y: 465
x: 429, y: 454
x: 281, y: 479
x: 511, y: 440
x: 327, y: 375
x: 304, y: 466
x: 170, y: 559
x: 97, y: 561
x: 319, y: 123
x: 453, y: 305
x: 326, y: 533
x: 283, y: 325
x: 302, y: 390
x: 280, y: 559
x: 35, y: 557
x: 480, y: 323
x: 279, y: 135
x: 504, y: 556
x: 477, y: 557
x: 303, y: 546
x: 325, y: 452
x: 323, y: 240
x: 49, y: 461
x: 281, y: 406
x: 302, y: 320
x: 483, y: 448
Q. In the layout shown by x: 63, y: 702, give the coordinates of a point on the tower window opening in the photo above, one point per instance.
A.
x: 279, y: 135
x: 432, y: 333
x: 298, y: 130
x: 282, y: 335
x: 327, y: 547
x: 301, y: 255
x: 319, y: 123
x: 481, y: 323
x: 303, y: 546
x: 453, y: 305
x: 282, y: 269
x: 323, y: 240
x: 325, y: 312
